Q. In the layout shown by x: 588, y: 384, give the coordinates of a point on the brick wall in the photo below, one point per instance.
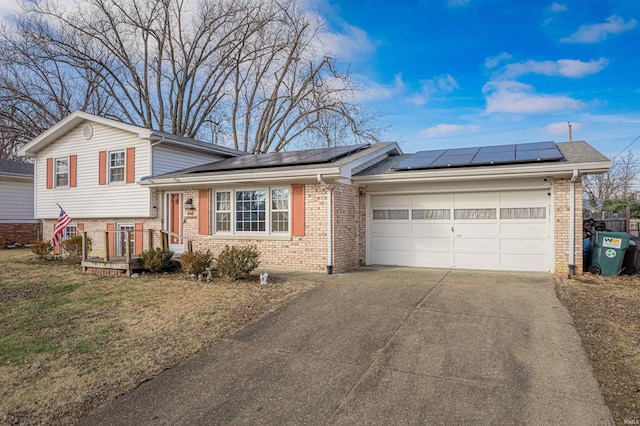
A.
x: 561, y: 206
x: 362, y: 214
x: 307, y: 253
x: 346, y: 227
x: 22, y: 233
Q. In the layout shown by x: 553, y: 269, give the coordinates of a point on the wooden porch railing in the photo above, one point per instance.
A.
x: 163, y: 234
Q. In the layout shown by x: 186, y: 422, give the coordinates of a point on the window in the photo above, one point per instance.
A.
x: 262, y: 211
x: 474, y: 214
x: 280, y: 210
x: 62, y: 172
x: 523, y: 213
x: 390, y: 214
x: 431, y: 214
x: 121, y: 240
x: 251, y: 214
x: 116, y: 166
x: 69, y: 232
x: 223, y: 211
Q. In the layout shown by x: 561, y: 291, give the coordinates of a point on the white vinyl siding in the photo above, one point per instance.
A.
x: 89, y: 199
x: 166, y: 160
x: 501, y: 230
x: 18, y: 200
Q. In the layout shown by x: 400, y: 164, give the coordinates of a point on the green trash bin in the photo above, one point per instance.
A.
x: 607, y: 252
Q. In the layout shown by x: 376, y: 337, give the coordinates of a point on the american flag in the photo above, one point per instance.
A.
x: 58, y: 232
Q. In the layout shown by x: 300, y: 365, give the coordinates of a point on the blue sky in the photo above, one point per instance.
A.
x: 454, y: 73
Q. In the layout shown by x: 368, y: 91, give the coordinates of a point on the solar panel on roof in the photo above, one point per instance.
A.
x: 489, y: 155
x: 278, y: 159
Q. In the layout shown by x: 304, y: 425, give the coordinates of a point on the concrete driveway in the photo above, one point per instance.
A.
x: 388, y: 346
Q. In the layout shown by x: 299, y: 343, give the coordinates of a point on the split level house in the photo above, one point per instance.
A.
x: 510, y: 207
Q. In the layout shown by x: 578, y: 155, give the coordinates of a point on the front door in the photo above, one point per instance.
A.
x: 174, y: 222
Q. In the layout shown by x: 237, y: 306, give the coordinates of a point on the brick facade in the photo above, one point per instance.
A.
x: 21, y: 233
x: 308, y: 253
x: 561, y: 220
x: 347, y: 227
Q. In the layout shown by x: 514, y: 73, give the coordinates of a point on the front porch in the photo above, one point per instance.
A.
x: 125, y: 262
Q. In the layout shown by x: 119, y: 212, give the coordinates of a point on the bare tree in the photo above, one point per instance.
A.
x: 616, y: 184
x: 248, y: 73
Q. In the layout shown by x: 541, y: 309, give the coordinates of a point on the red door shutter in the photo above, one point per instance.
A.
x: 130, y: 158
x: 102, y: 168
x: 297, y: 210
x: 73, y: 167
x: 49, y: 173
x: 203, y: 212
x: 137, y: 237
x: 112, y: 238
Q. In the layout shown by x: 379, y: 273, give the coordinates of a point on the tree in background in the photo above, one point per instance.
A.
x: 614, y: 190
x: 251, y: 74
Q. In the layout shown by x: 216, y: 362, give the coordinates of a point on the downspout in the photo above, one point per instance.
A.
x: 329, y: 225
x: 572, y: 224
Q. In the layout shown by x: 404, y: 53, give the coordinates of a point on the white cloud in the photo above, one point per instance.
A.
x: 557, y: 7
x: 428, y: 88
x: 494, y: 61
x: 562, y: 128
x: 443, y: 129
x: 518, y: 98
x: 571, y: 68
x: 594, y: 33
x: 349, y: 44
x: 372, y: 90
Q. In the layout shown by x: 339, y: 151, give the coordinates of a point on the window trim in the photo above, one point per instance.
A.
x: 233, y: 233
x: 55, y: 172
x: 123, y: 167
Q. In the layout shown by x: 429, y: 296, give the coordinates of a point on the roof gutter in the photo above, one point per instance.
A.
x: 476, y: 173
x: 329, y: 224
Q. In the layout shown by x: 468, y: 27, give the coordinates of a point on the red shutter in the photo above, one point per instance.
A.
x: 102, y: 168
x: 203, y: 212
x: 137, y: 237
x: 131, y: 161
x: 297, y: 210
x: 73, y: 167
x: 112, y: 238
x: 49, y: 173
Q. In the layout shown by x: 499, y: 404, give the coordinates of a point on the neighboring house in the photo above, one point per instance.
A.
x: 500, y: 208
x: 91, y: 167
x: 17, y: 223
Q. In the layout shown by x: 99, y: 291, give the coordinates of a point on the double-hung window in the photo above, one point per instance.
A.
x: 246, y: 211
x: 62, y: 172
x: 116, y: 166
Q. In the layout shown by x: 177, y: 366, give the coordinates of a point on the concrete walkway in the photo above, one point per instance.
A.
x: 388, y: 346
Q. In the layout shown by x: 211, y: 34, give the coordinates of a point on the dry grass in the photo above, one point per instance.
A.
x: 70, y: 342
x: 606, y: 312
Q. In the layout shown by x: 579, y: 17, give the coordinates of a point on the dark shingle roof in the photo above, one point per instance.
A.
x: 16, y: 167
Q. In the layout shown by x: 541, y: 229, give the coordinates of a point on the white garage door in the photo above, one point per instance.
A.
x: 507, y: 230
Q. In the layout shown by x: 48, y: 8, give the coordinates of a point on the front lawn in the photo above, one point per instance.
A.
x: 71, y: 342
x: 606, y: 312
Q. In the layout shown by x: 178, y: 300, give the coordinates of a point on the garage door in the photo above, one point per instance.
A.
x: 507, y: 230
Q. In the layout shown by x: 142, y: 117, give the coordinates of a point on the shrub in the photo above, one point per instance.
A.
x: 156, y: 260
x: 73, y: 248
x: 196, y: 262
x: 238, y: 262
x: 42, y: 249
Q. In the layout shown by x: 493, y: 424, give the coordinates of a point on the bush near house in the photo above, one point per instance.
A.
x: 196, y: 262
x: 42, y: 249
x: 156, y: 260
x: 73, y: 249
x: 238, y: 262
